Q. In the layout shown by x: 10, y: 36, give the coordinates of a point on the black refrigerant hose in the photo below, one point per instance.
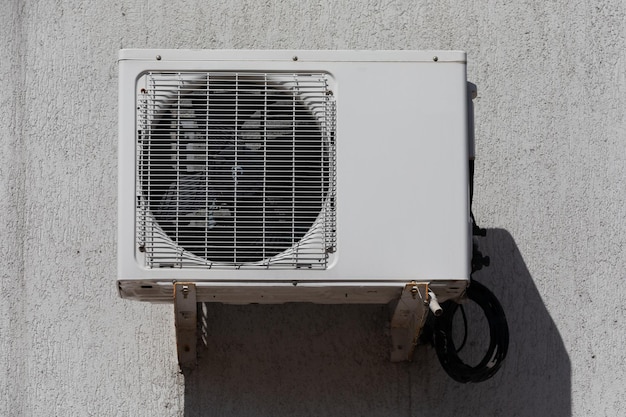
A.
x: 498, y: 331
x: 447, y: 352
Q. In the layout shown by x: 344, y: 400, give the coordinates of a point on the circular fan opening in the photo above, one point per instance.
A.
x: 234, y: 170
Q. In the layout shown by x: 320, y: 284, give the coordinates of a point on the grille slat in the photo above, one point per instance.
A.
x: 235, y: 170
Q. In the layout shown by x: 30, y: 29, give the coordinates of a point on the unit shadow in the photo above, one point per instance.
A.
x: 333, y: 360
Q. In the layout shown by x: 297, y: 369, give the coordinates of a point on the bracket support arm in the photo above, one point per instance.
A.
x: 185, y: 319
x: 408, y: 320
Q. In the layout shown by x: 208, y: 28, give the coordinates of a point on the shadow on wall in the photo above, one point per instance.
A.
x: 535, y: 379
x: 333, y: 360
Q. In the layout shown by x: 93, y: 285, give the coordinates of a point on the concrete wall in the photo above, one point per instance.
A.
x: 549, y: 187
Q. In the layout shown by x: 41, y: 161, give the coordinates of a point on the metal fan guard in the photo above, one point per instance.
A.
x: 235, y: 170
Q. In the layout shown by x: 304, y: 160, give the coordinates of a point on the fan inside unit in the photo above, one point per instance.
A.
x: 235, y: 169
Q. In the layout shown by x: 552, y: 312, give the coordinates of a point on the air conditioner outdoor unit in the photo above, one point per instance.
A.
x: 282, y: 176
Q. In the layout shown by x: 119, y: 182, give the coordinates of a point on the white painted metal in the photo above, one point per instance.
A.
x: 401, y: 178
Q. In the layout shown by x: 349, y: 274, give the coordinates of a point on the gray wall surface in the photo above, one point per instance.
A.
x: 551, y: 170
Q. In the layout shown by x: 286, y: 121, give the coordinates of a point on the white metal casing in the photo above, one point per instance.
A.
x: 402, y: 209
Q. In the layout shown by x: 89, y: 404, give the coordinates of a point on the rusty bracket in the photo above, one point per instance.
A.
x: 408, y: 319
x: 185, y: 319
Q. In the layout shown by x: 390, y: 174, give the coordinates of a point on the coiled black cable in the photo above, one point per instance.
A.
x: 498, y: 333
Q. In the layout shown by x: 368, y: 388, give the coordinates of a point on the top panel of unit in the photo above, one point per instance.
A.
x: 291, y: 55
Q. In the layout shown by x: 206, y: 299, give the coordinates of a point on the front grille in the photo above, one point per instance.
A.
x: 235, y: 170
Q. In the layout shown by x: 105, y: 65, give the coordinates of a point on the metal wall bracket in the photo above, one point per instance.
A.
x: 408, y: 319
x: 185, y: 319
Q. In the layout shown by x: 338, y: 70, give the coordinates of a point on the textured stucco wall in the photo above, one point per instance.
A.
x: 550, y: 187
